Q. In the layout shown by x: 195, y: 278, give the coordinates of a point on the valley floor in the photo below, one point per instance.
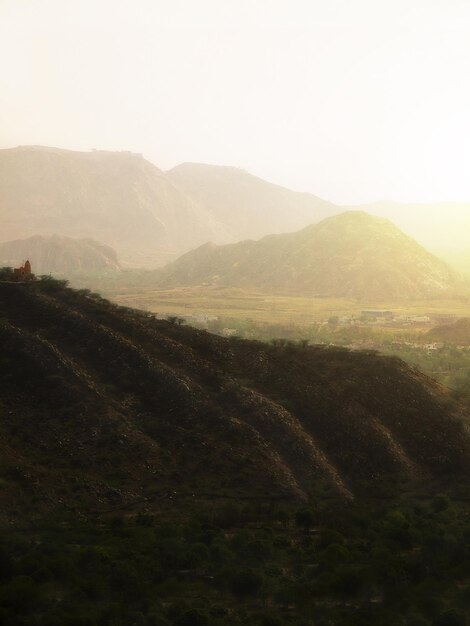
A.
x: 236, y: 303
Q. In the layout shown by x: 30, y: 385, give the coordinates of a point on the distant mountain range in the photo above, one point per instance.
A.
x: 59, y: 255
x: 148, y: 216
x: 151, y: 217
x: 349, y: 255
x: 104, y: 406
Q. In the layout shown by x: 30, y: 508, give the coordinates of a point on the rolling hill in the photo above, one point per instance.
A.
x: 349, y: 255
x: 105, y: 406
x: 59, y: 255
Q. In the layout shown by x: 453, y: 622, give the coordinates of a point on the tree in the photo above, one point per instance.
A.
x: 6, y: 273
x: 305, y: 518
x: 450, y: 618
x: 193, y: 617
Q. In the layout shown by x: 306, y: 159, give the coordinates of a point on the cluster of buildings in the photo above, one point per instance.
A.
x: 381, y: 317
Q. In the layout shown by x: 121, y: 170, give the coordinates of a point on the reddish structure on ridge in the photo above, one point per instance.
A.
x: 22, y: 273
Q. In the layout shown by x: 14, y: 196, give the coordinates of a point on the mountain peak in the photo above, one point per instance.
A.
x: 360, y: 218
x: 353, y: 254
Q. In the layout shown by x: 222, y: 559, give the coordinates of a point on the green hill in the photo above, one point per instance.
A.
x: 349, y: 255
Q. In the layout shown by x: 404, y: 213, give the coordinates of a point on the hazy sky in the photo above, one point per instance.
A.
x: 354, y: 100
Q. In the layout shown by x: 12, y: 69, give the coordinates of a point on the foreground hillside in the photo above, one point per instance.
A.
x: 106, y: 406
x: 349, y: 255
x: 59, y: 255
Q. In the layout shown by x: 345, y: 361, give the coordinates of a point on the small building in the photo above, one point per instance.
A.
x: 422, y: 319
x: 433, y: 347
x: 374, y: 314
x: 413, y: 319
x: 22, y: 273
x: 228, y: 332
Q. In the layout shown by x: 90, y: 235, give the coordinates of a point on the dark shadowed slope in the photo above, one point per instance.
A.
x: 352, y: 254
x: 102, y: 406
x: 248, y: 206
x: 60, y: 255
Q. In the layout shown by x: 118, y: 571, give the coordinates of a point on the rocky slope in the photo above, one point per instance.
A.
x: 59, y: 255
x: 349, y: 255
x: 103, y: 406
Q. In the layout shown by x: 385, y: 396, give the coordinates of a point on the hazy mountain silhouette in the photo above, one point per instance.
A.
x: 117, y: 198
x: 59, y: 255
x: 248, y: 206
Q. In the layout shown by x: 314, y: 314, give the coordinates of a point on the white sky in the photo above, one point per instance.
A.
x: 353, y: 100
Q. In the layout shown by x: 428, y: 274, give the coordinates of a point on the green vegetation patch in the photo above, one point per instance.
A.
x: 244, y: 564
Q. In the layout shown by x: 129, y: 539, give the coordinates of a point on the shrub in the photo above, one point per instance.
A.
x: 305, y: 518
x: 246, y: 582
x: 193, y: 617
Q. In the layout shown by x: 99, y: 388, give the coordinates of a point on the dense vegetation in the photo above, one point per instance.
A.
x: 391, y: 564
